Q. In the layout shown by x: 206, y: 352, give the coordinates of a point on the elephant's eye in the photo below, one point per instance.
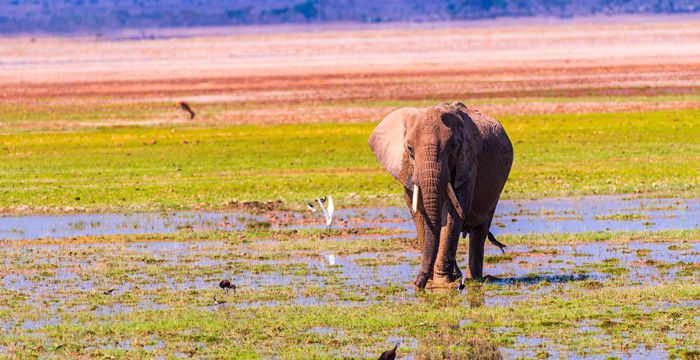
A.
x: 409, y: 149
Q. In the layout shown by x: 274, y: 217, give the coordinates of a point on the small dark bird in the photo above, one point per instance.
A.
x: 461, y: 284
x: 109, y: 292
x: 226, y: 284
x: 219, y: 302
x: 323, y: 200
x: 389, y: 354
x: 183, y: 105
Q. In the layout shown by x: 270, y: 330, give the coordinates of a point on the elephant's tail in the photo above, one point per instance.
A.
x: 493, y: 240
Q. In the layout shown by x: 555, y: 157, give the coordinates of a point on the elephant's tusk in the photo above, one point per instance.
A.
x: 414, y: 204
x: 453, y: 199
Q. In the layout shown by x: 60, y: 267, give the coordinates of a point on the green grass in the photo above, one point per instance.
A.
x: 150, y: 168
x: 41, y: 115
x: 287, y: 331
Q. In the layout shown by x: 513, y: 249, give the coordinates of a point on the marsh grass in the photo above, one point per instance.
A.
x: 622, y: 217
x: 452, y: 342
x: 291, y: 302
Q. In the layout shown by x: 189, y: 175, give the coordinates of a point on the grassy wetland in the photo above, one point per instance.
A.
x: 146, y: 168
x: 601, y: 115
x: 615, y: 294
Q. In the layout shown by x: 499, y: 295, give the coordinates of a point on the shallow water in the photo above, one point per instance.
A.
x: 594, y: 213
x: 59, y: 226
x: 572, y: 215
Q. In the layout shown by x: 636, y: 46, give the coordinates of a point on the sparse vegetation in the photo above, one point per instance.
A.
x: 164, y: 290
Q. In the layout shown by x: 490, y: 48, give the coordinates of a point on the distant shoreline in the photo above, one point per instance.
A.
x: 243, y: 30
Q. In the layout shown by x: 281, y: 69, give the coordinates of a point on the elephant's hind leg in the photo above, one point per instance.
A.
x: 477, y: 240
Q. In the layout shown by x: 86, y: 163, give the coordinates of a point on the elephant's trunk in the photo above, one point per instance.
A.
x: 432, y: 179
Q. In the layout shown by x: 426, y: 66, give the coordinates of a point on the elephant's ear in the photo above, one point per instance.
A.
x: 470, y: 143
x: 465, y: 171
x: 387, y: 143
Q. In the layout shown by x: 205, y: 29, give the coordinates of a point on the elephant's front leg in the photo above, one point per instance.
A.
x: 446, y: 270
x: 417, y: 219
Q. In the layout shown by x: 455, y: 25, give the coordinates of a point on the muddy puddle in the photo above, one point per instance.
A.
x: 595, y: 213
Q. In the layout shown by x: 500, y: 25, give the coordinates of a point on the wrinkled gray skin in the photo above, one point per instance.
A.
x: 431, y: 147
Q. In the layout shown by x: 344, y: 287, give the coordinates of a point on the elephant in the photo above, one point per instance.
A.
x: 447, y: 151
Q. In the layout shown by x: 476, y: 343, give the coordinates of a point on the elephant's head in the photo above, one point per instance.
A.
x: 431, y: 151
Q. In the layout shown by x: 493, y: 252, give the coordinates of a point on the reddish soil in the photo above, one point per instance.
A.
x: 629, y: 80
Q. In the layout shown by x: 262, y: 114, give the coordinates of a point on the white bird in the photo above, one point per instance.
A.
x: 327, y: 212
x: 331, y: 209
x: 311, y: 207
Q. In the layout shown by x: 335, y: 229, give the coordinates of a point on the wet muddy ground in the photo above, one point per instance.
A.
x: 557, y: 215
x: 259, y: 265
x: 109, y: 295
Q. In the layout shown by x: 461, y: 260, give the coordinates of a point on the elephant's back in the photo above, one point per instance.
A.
x: 495, y: 138
x: 492, y: 131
